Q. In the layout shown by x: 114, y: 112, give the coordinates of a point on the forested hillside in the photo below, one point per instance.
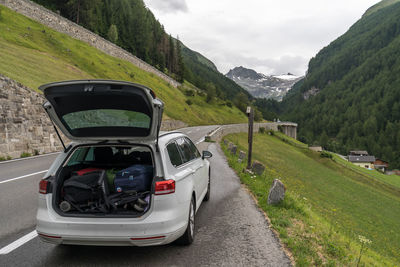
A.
x: 350, y: 98
x: 132, y: 26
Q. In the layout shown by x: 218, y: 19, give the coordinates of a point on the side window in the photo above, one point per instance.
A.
x: 90, y: 155
x: 77, y: 156
x: 174, y: 155
x: 184, y: 146
x: 193, y: 148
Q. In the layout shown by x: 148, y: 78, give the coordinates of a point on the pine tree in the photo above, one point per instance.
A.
x: 113, y: 33
x: 180, y: 65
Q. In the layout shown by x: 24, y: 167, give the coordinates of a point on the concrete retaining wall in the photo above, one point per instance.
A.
x: 241, y: 128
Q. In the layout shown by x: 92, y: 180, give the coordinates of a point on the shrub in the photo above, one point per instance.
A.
x: 229, y: 104
x: 36, y: 152
x: 25, y: 155
x: 189, y: 102
x: 2, y: 158
x: 261, y: 130
x: 325, y: 154
x: 270, y: 132
x: 189, y: 93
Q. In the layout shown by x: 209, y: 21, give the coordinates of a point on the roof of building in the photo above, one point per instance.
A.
x: 361, y: 158
x: 358, y: 152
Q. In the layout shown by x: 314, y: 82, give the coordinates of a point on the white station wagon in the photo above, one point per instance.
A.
x: 119, y: 182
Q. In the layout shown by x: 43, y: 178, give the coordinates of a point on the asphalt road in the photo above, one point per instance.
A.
x: 230, y: 229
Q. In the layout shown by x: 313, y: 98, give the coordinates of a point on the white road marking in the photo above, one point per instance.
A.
x: 19, y: 242
x: 201, y: 140
x: 23, y: 176
x: 33, y: 157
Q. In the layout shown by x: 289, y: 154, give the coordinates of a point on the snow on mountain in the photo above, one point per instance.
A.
x: 263, y: 86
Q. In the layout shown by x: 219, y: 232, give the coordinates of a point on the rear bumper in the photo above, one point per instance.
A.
x: 157, y: 227
x: 112, y: 241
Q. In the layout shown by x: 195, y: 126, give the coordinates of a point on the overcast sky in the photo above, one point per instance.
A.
x: 270, y: 36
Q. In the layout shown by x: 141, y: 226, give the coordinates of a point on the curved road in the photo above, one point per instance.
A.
x: 230, y: 229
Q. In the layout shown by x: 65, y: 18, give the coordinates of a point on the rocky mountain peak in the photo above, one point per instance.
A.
x: 263, y: 86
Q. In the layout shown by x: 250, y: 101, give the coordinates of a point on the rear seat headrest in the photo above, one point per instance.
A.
x: 103, y: 154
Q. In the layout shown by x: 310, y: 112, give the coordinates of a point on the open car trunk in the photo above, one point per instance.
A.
x: 105, y: 180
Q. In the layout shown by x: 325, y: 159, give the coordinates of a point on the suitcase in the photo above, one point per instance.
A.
x: 136, y: 177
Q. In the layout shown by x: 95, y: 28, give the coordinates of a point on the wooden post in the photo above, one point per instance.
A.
x: 250, y: 113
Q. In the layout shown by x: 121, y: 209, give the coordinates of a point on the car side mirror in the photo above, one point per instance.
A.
x: 206, y: 154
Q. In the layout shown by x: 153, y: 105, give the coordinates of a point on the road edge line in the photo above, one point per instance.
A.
x: 31, y: 157
x: 21, y: 177
x: 19, y: 242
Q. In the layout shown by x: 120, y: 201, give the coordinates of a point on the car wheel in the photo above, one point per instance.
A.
x: 207, y: 196
x: 188, y: 237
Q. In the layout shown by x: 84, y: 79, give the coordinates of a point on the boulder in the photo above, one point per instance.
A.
x: 276, y: 193
x: 230, y: 145
x: 233, y: 150
x: 258, y: 168
x: 242, y: 155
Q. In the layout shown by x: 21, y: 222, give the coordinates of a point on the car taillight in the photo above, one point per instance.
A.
x: 165, y: 187
x: 43, y: 186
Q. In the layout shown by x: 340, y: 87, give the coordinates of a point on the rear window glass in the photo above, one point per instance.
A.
x: 106, y: 118
x: 174, y: 155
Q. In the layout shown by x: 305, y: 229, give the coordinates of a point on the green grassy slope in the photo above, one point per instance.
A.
x: 341, y: 203
x: 33, y: 54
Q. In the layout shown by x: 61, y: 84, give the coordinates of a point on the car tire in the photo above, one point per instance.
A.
x: 207, y: 196
x: 188, y: 237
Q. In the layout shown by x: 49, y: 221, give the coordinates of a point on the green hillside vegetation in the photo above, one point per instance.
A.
x: 379, y: 6
x: 33, y: 54
x: 327, y: 204
x: 358, y: 103
x: 139, y: 32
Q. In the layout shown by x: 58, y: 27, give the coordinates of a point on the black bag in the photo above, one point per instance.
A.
x: 137, y: 178
x: 86, y: 191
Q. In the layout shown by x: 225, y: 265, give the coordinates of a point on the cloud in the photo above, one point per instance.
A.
x: 168, y: 6
x: 272, y: 37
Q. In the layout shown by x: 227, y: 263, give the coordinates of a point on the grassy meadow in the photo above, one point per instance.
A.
x: 34, y: 54
x: 328, y: 203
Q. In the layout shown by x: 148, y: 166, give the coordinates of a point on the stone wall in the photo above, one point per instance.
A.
x: 61, y: 24
x: 25, y: 126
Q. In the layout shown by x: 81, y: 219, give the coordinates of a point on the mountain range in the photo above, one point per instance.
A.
x: 263, y: 86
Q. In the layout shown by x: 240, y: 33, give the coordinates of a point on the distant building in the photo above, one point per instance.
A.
x: 381, y: 165
x: 315, y: 148
x: 362, y: 159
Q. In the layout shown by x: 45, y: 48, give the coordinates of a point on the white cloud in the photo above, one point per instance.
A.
x: 273, y: 37
x: 168, y: 6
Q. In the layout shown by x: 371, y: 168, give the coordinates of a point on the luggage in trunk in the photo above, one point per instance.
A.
x: 86, y: 193
x: 137, y: 177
